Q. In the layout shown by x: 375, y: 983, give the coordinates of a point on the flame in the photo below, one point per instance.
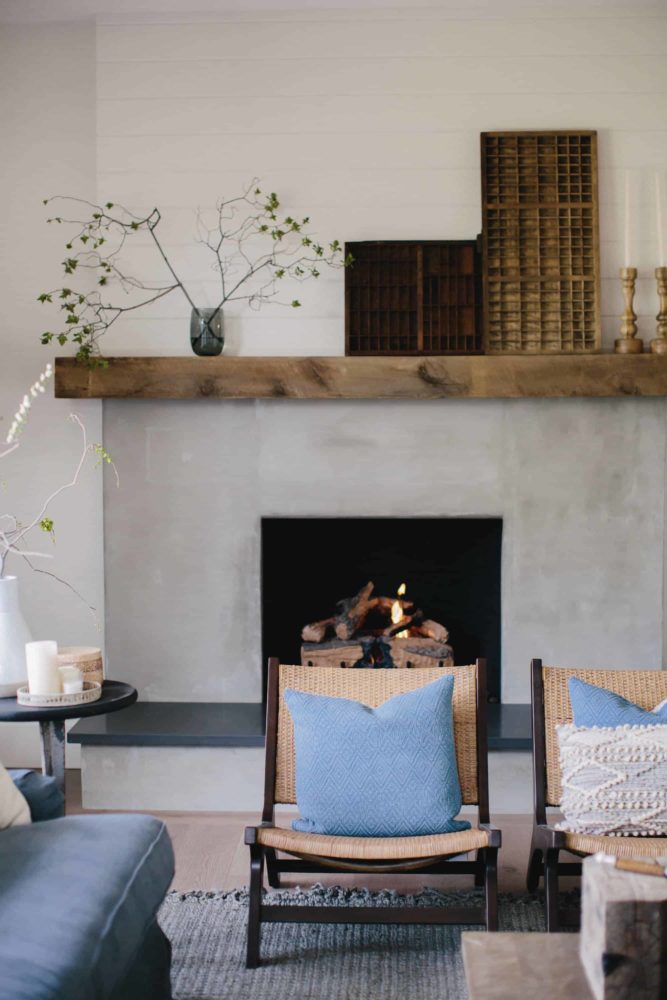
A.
x: 397, y: 612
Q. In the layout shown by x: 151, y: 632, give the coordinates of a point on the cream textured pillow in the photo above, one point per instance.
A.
x: 14, y: 808
x: 614, y: 781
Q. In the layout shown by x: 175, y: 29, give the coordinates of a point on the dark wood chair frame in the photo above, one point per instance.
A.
x: 484, y: 868
x: 547, y: 842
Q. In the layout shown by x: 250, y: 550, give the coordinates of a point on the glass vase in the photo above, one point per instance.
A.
x: 206, y: 336
x: 14, y: 633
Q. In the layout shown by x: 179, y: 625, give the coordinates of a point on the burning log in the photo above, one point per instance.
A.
x: 385, y: 604
x: 405, y: 624
x: 352, y: 612
x: 316, y: 631
x: 429, y: 629
x: 380, y: 629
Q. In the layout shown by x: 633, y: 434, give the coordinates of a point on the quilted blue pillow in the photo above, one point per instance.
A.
x: 594, y: 706
x: 377, y: 772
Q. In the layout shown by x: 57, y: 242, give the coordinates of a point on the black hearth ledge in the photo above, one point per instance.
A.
x: 240, y: 724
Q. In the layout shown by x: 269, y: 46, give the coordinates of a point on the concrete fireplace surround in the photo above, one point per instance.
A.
x: 579, y: 484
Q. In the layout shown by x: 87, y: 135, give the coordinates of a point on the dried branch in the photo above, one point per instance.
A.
x: 13, y: 537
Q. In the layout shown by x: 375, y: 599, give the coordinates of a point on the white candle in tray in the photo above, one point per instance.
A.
x: 42, y: 663
x: 71, y: 678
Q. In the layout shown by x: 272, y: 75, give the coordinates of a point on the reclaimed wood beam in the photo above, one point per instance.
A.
x: 457, y: 377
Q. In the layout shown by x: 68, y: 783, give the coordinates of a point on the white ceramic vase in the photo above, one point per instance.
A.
x: 14, y: 633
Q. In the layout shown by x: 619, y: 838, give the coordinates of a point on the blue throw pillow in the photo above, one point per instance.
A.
x: 45, y: 799
x: 594, y: 706
x: 377, y: 772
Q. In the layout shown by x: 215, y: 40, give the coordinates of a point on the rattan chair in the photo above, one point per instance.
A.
x: 315, y: 853
x: 551, y: 707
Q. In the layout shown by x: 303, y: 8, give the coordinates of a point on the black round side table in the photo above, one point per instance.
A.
x: 115, y: 695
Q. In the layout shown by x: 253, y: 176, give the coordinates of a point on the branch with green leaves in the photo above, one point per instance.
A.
x: 255, y: 247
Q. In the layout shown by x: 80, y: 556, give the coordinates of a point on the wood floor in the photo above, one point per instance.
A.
x: 210, y: 853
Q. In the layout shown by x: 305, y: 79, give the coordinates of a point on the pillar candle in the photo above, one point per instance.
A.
x: 42, y: 663
x: 71, y: 679
x: 658, y: 220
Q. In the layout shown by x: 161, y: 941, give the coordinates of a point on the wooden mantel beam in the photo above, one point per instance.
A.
x: 456, y: 377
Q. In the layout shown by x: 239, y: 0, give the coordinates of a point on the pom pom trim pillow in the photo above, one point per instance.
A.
x: 388, y: 771
x: 614, y: 780
x: 595, y: 706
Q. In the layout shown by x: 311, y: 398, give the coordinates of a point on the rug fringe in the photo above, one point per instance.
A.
x: 337, y: 895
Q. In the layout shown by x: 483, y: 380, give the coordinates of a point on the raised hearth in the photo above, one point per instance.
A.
x: 240, y: 724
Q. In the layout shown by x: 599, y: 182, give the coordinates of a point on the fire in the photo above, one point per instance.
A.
x: 397, y: 613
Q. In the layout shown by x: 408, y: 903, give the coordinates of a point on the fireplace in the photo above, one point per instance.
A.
x: 451, y: 568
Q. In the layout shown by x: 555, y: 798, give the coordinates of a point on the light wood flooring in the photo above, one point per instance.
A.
x: 210, y: 853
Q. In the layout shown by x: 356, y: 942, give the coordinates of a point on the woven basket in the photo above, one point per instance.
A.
x: 87, y: 658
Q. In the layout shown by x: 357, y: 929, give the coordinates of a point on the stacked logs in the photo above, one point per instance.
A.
x: 337, y: 640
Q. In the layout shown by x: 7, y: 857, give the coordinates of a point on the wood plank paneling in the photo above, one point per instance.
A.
x: 359, y: 113
x: 369, y: 121
x: 296, y: 76
x: 388, y: 36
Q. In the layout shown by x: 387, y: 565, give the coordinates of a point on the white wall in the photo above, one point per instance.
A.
x: 47, y: 124
x: 369, y: 122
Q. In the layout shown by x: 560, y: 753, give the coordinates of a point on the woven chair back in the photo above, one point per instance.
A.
x: 646, y: 688
x: 373, y: 687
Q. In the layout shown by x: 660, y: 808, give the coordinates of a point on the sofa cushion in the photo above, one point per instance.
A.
x: 42, y: 794
x: 77, y: 896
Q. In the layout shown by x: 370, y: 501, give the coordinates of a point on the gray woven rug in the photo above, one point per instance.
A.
x: 323, y: 961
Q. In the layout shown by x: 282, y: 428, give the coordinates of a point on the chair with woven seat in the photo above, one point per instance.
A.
x: 425, y: 855
x: 550, y: 708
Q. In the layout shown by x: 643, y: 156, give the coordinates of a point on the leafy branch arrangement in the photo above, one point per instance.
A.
x: 14, y: 533
x: 254, y: 247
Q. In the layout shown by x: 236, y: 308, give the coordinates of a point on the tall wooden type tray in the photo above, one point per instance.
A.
x: 540, y: 242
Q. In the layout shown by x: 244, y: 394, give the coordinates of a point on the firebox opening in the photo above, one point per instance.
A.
x: 451, y: 568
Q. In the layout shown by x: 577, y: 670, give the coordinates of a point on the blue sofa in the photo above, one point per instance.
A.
x: 79, y: 897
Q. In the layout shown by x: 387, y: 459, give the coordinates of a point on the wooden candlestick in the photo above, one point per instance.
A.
x: 659, y: 345
x: 628, y: 342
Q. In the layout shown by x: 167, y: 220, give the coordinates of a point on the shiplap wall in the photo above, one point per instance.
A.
x: 368, y: 121
x: 47, y: 124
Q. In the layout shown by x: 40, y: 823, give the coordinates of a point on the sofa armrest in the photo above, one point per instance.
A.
x: 45, y: 799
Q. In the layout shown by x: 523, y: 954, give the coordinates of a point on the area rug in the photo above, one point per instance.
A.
x: 324, y: 961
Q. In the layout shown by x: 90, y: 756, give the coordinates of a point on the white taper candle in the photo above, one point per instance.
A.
x: 627, y: 217
x: 658, y: 220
